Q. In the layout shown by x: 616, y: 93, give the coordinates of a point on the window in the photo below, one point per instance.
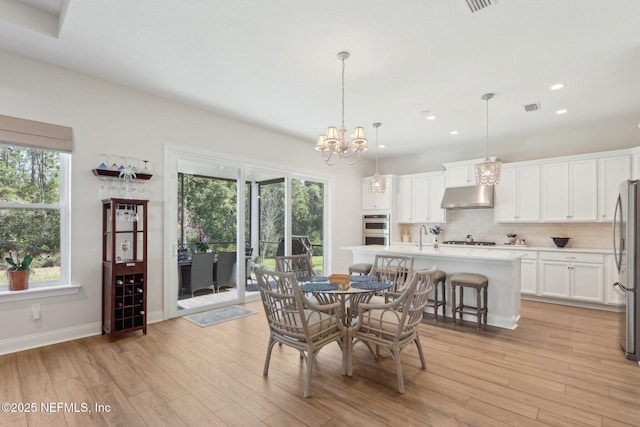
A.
x: 34, y: 209
x: 34, y: 202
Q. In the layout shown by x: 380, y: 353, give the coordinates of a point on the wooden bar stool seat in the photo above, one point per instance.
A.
x: 361, y: 268
x: 478, y: 282
x: 439, y: 294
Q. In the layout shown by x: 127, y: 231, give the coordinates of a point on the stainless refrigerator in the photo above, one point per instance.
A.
x: 626, y: 250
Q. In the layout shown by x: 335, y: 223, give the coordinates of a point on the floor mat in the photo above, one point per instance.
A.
x: 212, y: 317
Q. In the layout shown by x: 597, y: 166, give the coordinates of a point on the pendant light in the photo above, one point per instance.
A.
x: 488, y: 172
x: 377, y: 183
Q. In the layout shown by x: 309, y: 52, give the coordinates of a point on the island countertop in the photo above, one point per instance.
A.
x: 475, y: 252
x: 501, y: 267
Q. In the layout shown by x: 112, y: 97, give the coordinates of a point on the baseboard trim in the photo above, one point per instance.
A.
x: 28, y: 342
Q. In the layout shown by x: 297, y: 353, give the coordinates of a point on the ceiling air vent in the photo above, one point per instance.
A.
x: 532, y: 107
x: 476, y: 5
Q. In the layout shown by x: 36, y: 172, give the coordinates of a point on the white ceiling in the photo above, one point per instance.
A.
x: 273, y: 63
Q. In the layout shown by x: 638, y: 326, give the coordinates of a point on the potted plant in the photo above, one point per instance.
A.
x: 18, y: 273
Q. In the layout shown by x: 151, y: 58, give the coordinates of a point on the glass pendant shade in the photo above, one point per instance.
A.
x: 377, y: 184
x: 488, y: 172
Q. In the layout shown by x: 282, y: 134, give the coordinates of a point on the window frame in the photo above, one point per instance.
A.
x: 39, y: 135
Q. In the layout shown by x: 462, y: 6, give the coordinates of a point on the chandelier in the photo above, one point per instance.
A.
x: 377, y: 183
x: 488, y: 172
x: 333, y: 146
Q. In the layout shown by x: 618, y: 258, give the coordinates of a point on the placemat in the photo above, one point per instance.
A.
x: 318, y: 287
x: 360, y: 278
x: 371, y: 286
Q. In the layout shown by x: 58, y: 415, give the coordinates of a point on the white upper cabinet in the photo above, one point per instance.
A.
x: 611, y: 172
x: 517, y: 196
x: 419, y: 198
x: 461, y: 174
x: 404, y: 199
x: 376, y: 201
x: 569, y: 191
x: 436, y: 191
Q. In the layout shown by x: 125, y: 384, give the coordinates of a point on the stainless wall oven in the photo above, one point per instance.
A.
x: 375, y: 229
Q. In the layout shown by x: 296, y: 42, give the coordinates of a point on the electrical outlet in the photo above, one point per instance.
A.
x: 35, y: 311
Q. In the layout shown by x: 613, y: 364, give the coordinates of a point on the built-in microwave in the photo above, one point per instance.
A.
x: 375, y: 229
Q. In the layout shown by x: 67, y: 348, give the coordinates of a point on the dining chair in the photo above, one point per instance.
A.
x: 298, y: 264
x: 202, y: 274
x: 394, y: 269
x: 297, y: 322
x: 224, y: 270
x: 394, y: 325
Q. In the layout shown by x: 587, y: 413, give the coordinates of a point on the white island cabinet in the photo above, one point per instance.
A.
x: 501, y: 267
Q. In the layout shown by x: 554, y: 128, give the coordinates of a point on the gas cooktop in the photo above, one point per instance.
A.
x: 462, y: 242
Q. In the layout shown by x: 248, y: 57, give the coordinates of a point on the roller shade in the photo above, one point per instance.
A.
x: 30, y: 133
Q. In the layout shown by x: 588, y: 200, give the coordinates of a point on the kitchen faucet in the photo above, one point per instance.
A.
x: 425, y: 233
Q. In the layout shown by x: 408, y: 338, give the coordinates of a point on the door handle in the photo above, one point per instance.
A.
x: 621, y: 286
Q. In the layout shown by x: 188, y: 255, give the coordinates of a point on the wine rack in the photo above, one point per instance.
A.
x: 124, y: 266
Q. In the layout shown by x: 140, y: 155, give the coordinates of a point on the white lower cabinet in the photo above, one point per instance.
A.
x: 529, y: 273
x: 572, y: 275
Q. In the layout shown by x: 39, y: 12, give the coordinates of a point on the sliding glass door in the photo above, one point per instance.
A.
x: 307, y: 220
x: 235, y: 217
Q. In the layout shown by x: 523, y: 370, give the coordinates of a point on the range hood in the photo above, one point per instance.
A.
x: 471, y: 197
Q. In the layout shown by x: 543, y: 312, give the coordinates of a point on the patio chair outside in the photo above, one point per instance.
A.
x: 202, y: 273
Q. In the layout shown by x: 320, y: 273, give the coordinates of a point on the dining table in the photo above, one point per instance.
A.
x: 360, y: 290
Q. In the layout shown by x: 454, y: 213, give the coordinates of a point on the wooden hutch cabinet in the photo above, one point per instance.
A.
x: 124, y: 266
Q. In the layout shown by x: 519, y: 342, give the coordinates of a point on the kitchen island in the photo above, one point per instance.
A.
x: 501, y: 267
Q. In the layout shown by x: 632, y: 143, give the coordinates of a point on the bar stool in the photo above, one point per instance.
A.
x: 436, y: 302
x: 361, y: 268
x: 478, y: 282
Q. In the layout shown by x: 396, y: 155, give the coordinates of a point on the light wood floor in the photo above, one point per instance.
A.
x: 561, y: 367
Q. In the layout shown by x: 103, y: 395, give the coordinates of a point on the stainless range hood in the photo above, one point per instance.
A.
x: 472, y: 197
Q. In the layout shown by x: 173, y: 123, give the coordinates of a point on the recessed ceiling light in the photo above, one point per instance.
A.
x: 562, y: 111
x: 427, y: 115
x: 453, y: 132
x: 381, y: 147
x: 556, y: 86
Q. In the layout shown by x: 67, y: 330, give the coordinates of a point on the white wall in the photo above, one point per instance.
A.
x: 108, y: 118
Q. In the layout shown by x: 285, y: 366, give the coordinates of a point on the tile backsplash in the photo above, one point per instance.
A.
x: 479, y: 223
